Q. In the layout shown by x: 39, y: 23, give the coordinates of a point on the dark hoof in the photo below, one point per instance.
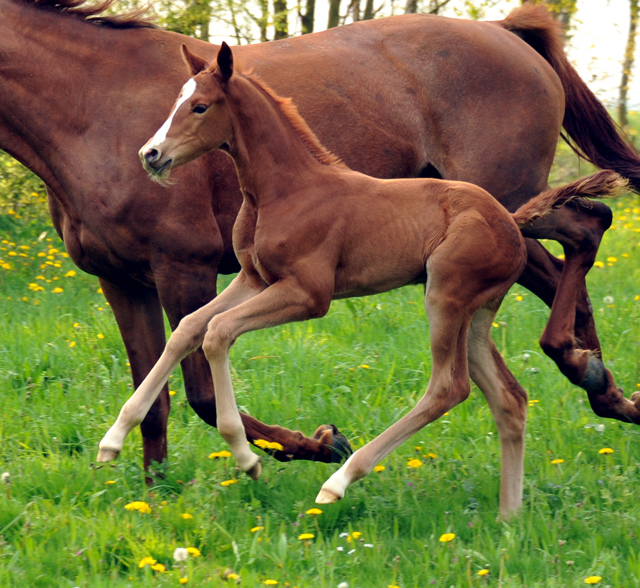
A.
x: 595, y: 377
x: 340, y: 447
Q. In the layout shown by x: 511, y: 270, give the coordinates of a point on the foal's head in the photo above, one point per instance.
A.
x: 199, y: 121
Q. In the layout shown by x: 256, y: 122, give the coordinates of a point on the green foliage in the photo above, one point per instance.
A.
x: 64, y: 377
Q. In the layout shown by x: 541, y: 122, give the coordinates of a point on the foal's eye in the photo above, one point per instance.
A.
x: 200, y: 109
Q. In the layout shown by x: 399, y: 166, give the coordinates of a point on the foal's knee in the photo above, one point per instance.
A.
x: 187, y: 336
x: 218, y: 338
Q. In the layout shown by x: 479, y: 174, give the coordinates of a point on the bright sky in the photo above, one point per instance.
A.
x: 599, y: 35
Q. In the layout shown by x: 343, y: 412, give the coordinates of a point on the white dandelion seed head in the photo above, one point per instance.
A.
x: 5, y: 477
x: 343, y: 585
x: 343, y: 535
x: 599, y: 427
x: 340, y: 548
x: 608, y: 300
x: 180, y: 554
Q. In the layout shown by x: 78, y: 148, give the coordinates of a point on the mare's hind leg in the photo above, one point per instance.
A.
x: 570, y: 338
x: 449, y: 318
x: 508, y: 403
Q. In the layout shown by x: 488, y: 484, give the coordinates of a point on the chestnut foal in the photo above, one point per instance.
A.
x: 311, y: 230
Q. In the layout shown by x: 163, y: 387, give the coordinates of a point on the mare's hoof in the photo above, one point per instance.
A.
x: 105, y: 454
x: 330, y: 437
x: 327, y: 497
x: 255, y: 471
x: 595, y: 376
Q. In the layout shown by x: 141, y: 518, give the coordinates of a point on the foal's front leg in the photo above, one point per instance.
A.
x: 281, y: 303
x: 185, y: 339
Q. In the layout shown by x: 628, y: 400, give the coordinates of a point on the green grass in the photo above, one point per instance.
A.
x: 64, y: 377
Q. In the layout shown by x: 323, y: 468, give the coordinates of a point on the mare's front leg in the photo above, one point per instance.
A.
x: 185, y: 339
x: 139, y: 316
x: 570, y: 338
x: 283, y: 302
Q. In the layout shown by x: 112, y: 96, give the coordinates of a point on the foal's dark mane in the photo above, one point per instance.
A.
x: 94, y: 12
x: 289, y: 111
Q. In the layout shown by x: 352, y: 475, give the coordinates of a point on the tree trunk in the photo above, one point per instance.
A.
x: 334, y: 14
x: 627, y: 64
x: 369, y: 11
x: 354, y: 10
x: 280, y: 19
x: 411, y: 7
x: 308, y: 18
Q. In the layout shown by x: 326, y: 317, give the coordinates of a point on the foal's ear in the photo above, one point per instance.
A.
x: 225, y: 62
x: 196, y: 64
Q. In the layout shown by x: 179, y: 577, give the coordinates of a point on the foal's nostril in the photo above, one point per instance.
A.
x: 151, y: 156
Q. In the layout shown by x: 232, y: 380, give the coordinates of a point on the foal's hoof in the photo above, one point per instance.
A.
x: 337, y: 444
x: 255, y: 471
x: 105, y: 454
x: 327, y: 497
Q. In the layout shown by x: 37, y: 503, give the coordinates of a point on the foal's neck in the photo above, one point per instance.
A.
x: 275, y: 152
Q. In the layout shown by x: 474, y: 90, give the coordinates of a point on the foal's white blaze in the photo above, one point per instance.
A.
x: 187, y: 91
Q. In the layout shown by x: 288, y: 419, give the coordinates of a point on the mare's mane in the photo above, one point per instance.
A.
x: 289, y: 111
x: 93, y: 12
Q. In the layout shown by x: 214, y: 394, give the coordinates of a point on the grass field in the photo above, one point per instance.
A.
x: 64, y: 377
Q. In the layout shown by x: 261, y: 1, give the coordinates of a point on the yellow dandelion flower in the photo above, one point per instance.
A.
x: 138, y: 505
x: 431, y: 455
x: 447, y: 537
x: 271, y: 582
x: 275, y: 445
x: 172, y: 392
x: 256, y: 529
x: 233, y: 576
x: 379, y: 468
x: 229, y: 482
x: 519, y: 298
x: 612, y: 259
x: 593, y: 580
x: 183, y: 580
x: 99, y: 291
x: 483, y: 572
x: 305, y: 536
x: 261, y: 443
x: 414, y: 463
x: 314, y: 511
x: 217, y: 454
x: 606, y: 450
x: 598, y: 264
x: 109, y: 482
x: 57, y: 290
x: 392, y: 586
x: 194, y: 551
x: 557, y: 461
x: 146, y: 561
x: 158, y: 568
x: 186, y: 516
x: 100, y: 336
x: 70, y: 274
x: 72, y: 344
x: 365, y: 366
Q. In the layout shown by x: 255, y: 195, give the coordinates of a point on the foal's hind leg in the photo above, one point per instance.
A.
x: 448, y: 386
x: 574, y: 346
x: 508, y: 403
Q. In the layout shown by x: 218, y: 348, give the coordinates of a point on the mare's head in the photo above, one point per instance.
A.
x: 199, y: 120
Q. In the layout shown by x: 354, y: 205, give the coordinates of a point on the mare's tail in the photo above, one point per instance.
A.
x: 595, y: 135
x: 602, y: 184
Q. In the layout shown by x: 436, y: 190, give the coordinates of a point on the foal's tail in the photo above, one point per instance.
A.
x: 595, y: 135
x: 602, y: 184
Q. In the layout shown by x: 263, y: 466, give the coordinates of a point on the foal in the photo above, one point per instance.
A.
x: 311, y: 230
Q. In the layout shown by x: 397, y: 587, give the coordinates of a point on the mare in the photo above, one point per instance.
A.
x: 413, y: 95
x: 310, y: 230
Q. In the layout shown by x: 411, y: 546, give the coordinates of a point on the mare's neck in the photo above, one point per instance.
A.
x: 70, y: 94
x: 271, y: 156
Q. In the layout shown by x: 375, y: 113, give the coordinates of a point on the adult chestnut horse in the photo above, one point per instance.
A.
x: 311, y: 230
x: 398, y: 97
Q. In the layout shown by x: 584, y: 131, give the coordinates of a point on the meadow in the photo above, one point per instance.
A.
x: 427, y: 517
